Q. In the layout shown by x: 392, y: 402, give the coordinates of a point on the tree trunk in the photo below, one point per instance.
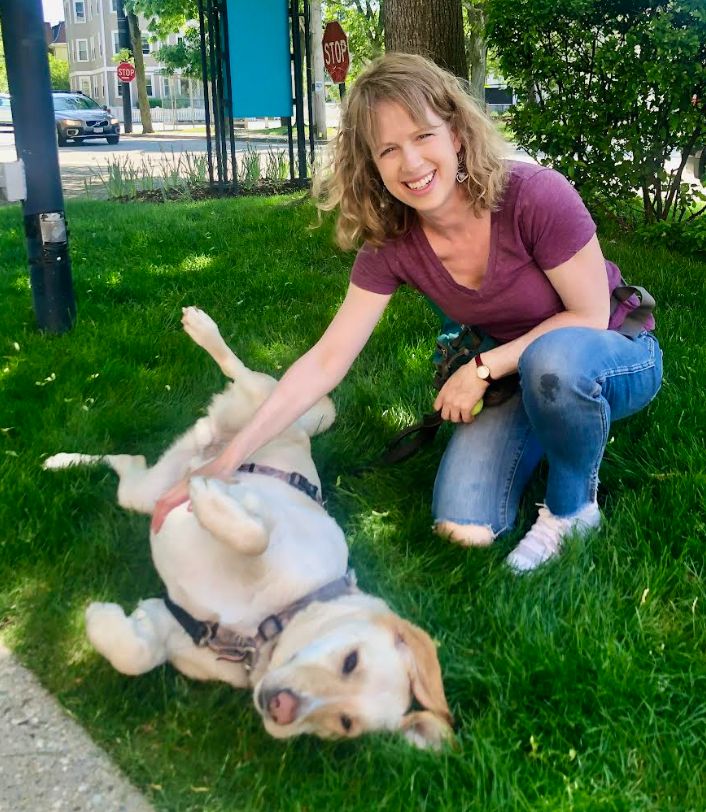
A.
x: 432, y: 28
x: 317, y: 68
x: 142, y: 100
x: 477, y: 48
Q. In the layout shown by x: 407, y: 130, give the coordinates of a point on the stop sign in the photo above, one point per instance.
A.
x: 126, y: 72
x: 336, y: 57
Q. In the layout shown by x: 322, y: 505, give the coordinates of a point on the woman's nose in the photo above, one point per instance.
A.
x: 411, y: 159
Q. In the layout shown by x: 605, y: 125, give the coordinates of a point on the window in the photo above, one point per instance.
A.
x: 116, y: 41
x: 80, y: 11
x: 114, y: 6
x: 184, y: 87
x: 86, y: 86
x: 93, y: 48
x: 145, y: 45
x: 148, y: 85
x: 82, y: 50
x: 119, y: 85
x: 166, y: 90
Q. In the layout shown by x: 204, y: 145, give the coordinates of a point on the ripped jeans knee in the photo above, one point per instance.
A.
x: 467, y: 535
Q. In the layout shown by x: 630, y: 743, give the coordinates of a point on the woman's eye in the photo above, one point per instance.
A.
x: 426, y: 135
x: 346, y: 722
x: 350, y: 663
x: 386, y: 152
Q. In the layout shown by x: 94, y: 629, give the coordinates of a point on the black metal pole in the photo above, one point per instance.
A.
x: 212, y: 45
x: 204, y: 73
x: 219, y: 85
x: 342, y: 89
x: 298, y: 90
x: 124, y: 42
x: 229, y: 93
x: 309, y: 81
x: 35, y: 140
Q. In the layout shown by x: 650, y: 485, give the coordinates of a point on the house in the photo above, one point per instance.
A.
x: 55, y: 36
x: 91, y: 28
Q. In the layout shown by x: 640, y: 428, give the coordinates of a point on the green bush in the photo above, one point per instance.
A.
x: 155, y: 103
x: 610, y: 90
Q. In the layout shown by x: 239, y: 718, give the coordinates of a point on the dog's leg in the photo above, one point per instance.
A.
x: 240, y: 523
x: 135, y: 644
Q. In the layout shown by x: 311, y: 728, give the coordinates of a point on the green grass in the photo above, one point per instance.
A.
x: 582, y: 687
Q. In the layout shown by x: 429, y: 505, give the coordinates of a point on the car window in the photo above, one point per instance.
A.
x: 4, y: 102
x: 75, y: 103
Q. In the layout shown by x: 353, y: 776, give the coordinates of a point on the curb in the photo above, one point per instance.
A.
x: 47, y: 761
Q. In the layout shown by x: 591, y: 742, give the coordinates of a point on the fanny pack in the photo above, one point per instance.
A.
x: 636, y: 305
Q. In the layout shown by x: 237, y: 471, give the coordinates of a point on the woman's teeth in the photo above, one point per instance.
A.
x: 420, y: 184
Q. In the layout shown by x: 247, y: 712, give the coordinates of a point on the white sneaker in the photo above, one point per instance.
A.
x: 547, y: 534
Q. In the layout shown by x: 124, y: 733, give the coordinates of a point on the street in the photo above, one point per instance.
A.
x: 81, y: 162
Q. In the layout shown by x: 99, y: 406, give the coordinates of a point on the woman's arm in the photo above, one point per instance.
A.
x: 314, y: 375
x: 582, y: 284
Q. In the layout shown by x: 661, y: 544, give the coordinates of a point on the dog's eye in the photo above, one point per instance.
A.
x: 346, y: 722
x: 350, y: 663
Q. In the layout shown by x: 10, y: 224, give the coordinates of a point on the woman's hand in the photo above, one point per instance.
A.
x: 460, y: 395
x: 172, y: 498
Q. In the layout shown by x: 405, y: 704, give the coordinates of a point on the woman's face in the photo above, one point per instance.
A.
x: 417, y: 162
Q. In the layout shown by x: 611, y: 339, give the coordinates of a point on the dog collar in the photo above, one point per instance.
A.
x: 229, y: 644
x: 298, y: 481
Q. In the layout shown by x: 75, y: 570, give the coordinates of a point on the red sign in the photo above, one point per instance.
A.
x: 336, y: 56
x: 126, y: 72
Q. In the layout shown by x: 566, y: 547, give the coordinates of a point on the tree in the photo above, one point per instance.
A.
x: 476, y: 46
x: 362, y: 22
x: 608, y: 88
x: 432, y: 28
x: 3, y: 70
x: 59, y: 73
x: 142, y: 100
x: 169, y: 17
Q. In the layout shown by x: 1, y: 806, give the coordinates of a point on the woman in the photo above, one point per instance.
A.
x: 419, y: 178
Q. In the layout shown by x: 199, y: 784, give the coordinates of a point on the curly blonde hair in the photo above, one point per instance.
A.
x: 351, y: 182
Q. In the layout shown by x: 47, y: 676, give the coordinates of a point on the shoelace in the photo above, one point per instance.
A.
x: 547, y: 531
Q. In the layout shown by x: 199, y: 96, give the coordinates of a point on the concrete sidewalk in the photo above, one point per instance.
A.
x: 47, y: 761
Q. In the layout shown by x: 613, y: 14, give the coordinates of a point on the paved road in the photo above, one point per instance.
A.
x: 81, y: 163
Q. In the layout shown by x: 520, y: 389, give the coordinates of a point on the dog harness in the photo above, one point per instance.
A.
x: 298, y: 481
x: 230, y: 644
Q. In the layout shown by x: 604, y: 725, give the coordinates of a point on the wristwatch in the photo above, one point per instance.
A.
x: 482, y: 370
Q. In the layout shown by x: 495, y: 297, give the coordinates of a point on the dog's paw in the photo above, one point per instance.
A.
x: 120, y: 639
x: 200, y: 327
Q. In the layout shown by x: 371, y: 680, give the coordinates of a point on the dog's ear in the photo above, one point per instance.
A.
x: 424, y: 670
x: 425, y: 729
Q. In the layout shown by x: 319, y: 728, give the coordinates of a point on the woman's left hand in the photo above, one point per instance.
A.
x: 460, y: 394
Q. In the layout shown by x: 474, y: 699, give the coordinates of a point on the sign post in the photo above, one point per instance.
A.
x: 336, y: 55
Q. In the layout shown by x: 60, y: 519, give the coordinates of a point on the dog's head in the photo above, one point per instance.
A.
x: 341, y: 669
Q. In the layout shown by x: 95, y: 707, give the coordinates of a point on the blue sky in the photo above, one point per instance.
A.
x: 53, y: 11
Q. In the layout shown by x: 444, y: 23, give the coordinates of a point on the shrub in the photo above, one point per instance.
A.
x: 610, y: 90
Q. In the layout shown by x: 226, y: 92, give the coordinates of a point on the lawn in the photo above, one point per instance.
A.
x: 581, y: 687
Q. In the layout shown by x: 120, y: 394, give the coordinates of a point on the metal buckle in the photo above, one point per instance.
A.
x: 210, y: 630
x: 270, y: 627
x: 301, y: 483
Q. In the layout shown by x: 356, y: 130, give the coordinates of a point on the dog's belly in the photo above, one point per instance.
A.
x: 212, y: 581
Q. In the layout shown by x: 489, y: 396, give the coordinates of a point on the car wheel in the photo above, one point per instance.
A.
x: 112, y: 139
x: 61, y: 140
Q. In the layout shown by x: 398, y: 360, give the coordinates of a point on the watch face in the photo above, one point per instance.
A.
x: 483, y: 371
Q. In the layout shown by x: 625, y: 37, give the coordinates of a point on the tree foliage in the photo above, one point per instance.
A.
x: 3, y: 69
x: 363, y: 24
x: 612, y: 88
x: 59, y: 73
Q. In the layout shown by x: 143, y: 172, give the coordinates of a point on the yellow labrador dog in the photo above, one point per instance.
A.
x: 258, y: 589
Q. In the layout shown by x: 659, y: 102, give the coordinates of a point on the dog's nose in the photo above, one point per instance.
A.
x: 283, y: 707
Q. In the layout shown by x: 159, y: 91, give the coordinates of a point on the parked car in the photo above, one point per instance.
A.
x: 79, y: 117
x: 5, y: 110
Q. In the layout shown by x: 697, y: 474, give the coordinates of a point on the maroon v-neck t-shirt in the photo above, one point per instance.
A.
x: 540, y: 224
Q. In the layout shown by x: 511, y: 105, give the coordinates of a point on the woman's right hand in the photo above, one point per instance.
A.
x: 174, y: 497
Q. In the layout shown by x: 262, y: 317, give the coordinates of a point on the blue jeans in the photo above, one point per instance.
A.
x: 573, y: 382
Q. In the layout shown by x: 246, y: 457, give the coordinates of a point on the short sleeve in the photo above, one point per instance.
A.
x: 553, y: 220
x: 372, y: 271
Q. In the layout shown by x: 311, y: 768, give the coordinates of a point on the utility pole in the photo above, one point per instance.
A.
x: 318, y: 90
x: 124, y: 42
x: 35, y: 141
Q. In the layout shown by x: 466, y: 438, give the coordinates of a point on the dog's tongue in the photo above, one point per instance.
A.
x: 283, y: 707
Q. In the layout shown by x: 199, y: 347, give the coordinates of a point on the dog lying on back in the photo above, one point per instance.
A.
x: 256, y: 573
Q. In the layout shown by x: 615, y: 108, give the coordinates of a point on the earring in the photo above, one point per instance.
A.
x: 461, y: 172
